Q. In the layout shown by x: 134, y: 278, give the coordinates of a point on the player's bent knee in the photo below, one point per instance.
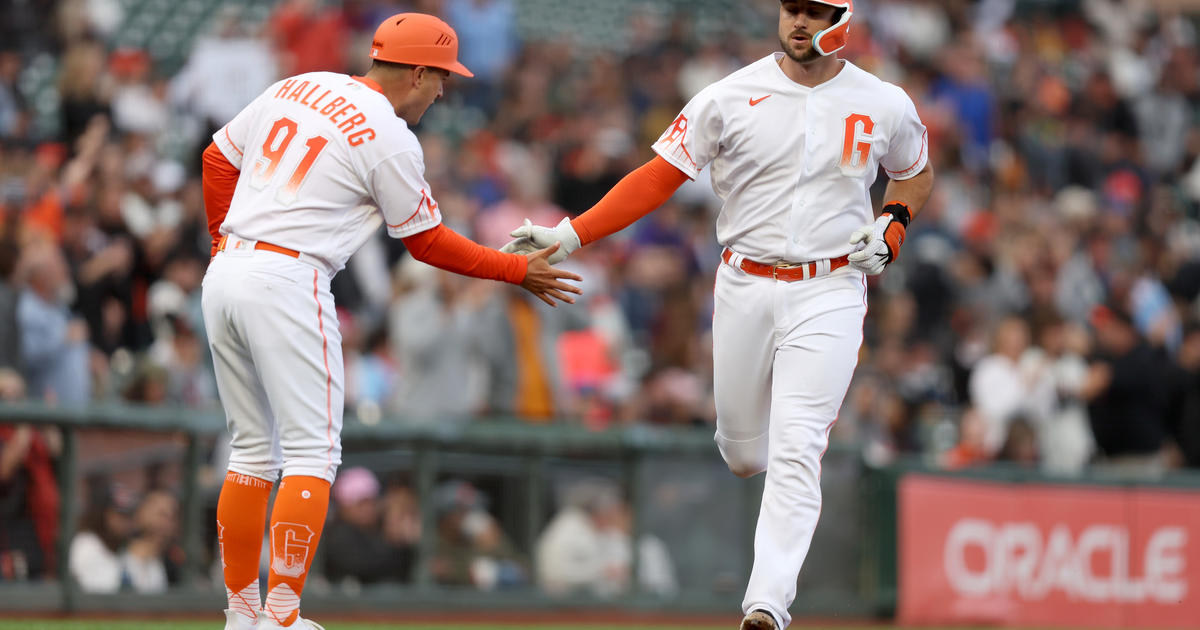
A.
x: 745, y: 468
x: 744, y: 459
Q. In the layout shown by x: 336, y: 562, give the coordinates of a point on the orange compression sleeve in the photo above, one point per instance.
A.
x: 446, y: 249
x: 219, y: 181
x: 636, y: 195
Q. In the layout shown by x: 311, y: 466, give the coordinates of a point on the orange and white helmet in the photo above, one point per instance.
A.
x: 833, y: 39
x: 420, y: 40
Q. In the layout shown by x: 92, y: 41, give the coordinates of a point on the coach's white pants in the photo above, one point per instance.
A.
x: 783, y: 355
x: 277, y: 352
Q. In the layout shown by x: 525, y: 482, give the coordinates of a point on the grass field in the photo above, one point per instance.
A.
x: 116, y: 624
x: 215, y: 624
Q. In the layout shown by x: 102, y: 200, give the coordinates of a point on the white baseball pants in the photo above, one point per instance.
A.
x: 277, y: 352
x: 783, y: 355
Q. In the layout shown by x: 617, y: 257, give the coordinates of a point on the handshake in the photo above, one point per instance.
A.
x: 544, y: 247
x: 530, y: 238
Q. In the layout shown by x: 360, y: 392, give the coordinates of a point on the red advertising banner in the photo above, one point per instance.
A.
x: 1044, y: 555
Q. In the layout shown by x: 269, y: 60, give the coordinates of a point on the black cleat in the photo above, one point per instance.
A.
x: 759, y: 620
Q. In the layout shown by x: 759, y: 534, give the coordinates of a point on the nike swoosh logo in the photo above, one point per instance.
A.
x: 756, y: 101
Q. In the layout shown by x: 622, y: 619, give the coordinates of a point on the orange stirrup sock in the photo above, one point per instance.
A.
x: 241, y: 517
x: 296, y: 524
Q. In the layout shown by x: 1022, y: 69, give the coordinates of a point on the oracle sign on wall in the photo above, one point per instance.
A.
x: 1025, y: 554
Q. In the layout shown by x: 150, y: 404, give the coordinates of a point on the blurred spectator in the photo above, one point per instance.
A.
x: 153, y: 553
x: 1020, y: 445
x: 13, y: 113
x: 588, y: 547
x: 179, y: 348
x: 139, y: 103
x: 1185, y: 409
x: 1064, y: 435
x: 29, y: 499
x: 517, y: 337
x: 370, y: 540
x: 487, y: 32
x: 10, y: 334
x: 84, y: 88
x: 224, y: 72
x: 1127, y: 390
x: 309, y: 36
x: 434, y: 339
x: 371, y: 374
x: 1002, y: 388
x: 104, y: 530
x: 472, y: 549
x: 54, y: 350
x: 971, y: 449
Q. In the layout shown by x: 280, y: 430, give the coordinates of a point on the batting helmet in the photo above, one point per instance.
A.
x: 420, y: 40
x: 833, y: 39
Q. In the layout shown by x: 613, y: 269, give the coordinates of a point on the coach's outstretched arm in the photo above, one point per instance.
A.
x: 882, y: 239
x: 637, y: 194
x: 439, y: 246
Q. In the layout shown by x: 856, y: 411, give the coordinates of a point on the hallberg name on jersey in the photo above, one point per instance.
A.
x: 302, y: 92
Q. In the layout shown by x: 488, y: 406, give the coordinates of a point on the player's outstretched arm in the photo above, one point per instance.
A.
x: 636, y: 195
x: 881, y: 240
x: 545, y: 281
x: 446, y: 249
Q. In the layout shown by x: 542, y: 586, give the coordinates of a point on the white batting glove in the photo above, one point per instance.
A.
x: 520, y: 246
x: 874, y: 255
x: 545, y: 237
x: 882, y: 239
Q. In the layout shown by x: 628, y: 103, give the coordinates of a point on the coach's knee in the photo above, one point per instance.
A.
x: 745, y: 468
x: 744, y: 458
x: 322, y: 465
x: 262, y: 469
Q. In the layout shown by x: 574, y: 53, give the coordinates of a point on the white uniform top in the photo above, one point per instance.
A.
x: 324, y: 160
x: 793, y: 165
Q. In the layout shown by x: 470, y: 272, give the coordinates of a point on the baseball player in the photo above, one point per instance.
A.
x: 795, y: 141
x: 294, y: 185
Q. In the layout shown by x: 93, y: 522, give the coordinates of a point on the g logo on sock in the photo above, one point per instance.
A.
x: 289, y: 548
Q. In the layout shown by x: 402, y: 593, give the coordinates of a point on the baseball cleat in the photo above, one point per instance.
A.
x: 237, y: 621
x: 267, y: 623
x: 759, y: 620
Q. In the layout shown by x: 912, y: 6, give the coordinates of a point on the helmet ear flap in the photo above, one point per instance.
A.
x: 834, y: 38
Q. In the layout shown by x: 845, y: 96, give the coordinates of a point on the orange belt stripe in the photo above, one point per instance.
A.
x: 787, y: 272
x: 270, y: 247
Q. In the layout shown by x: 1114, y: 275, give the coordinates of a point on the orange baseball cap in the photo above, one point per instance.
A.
x: 420, y: 40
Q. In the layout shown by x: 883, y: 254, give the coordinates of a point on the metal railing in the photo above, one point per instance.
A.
x: 524, y: 451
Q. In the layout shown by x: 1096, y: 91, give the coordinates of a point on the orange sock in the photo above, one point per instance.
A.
x: 241, y: 517
x: 296, y: 524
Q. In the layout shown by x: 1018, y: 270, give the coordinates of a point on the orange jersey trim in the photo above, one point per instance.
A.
x: 231, y: 142
x: 219, y: 180
x: 636, y: 195
x: 920, y: 156
x: 446, y: 249
x: 426, y: 202
x: 371, y: 83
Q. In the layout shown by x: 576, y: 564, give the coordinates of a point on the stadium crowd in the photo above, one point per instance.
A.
x: 1045, y: 310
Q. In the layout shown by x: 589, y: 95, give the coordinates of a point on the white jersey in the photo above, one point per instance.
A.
x: 324, y: 160
x: 793, y: 165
